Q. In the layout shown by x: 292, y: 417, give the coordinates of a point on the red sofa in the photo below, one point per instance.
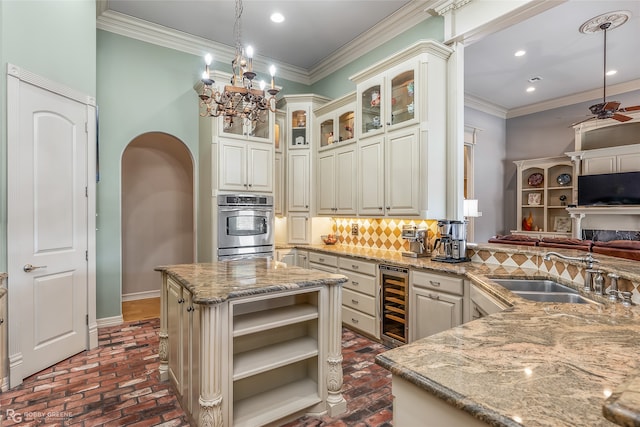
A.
x: 629, y: 249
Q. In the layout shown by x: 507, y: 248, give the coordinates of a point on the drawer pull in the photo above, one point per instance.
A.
x: 355, y: 267
x: 354, y: 320
x: 434, y: 283
x: 321, y: 259
x: 355, y: 301
x: 436, y: 297
x: 354, y: 283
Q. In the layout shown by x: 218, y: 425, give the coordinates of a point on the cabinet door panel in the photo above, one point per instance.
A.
x: 174, y: 330
x: 599, y: 165
x: 371, y: 183
x: 260, y: 167
x: 298, y: 228
x: 434, y: 315
x: 278, y: 185
x: 232, y: 170
x: 403, y: 170
x: 346, y: 179
x: 298, y: 181
x: 629, y: 163
x: 326, y: 183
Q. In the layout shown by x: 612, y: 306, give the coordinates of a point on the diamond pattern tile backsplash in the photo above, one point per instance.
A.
x: 380, y: 233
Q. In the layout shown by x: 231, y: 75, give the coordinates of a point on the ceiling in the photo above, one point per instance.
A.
x: 568, y: 62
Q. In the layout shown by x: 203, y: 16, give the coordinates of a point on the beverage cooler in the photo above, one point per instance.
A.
x: 394, y: 291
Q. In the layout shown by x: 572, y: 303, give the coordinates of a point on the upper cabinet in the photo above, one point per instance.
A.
x: 386, y: 101
x: 401, y: 122
x: 336, y: 121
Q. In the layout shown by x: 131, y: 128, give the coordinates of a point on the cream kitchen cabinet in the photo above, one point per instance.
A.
x: 246, y: 166
x: 336, y: 121
x: 286, y: 256
x: 298, y: 181
x: 302, y: 258
x: 298, y: 228
x: 323, y: 262
x: 360, y: 296
x: 278, y: 184
x: 401, y: 116
x: 435, y: 303
x: 389, y: 171
x: 183, y: 327
x: 337, y: 181
x: 625, y: 158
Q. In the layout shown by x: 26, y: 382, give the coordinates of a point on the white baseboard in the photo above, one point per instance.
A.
x: 141, y: 295
x: 110, y: 321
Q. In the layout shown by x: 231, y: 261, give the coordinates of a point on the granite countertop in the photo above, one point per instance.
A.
x: 212, y: 283
x: 533, y: 364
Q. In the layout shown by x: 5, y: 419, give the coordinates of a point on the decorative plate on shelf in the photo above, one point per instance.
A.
x: 535, y: 179
x: 564, y: 179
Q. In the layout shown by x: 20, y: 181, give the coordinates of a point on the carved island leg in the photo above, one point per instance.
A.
x: 211, y: 367
x: 336, y: 404
x: 163, y: 346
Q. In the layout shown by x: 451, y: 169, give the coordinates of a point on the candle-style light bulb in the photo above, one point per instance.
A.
x: 208, y: 58
x: 262, y: 84
x: 250, y: 56
x: 272, y: 71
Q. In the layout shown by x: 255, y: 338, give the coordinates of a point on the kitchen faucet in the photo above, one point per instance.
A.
x: 588, y: 260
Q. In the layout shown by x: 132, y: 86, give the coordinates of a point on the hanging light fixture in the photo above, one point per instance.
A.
x: 239, y: 99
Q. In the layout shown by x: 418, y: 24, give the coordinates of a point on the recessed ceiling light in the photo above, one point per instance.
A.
x: 277, y: 17
x: 520, y: 53
x: 531, y: 89
x: 611, y: 72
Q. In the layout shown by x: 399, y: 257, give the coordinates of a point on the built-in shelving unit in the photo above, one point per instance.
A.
x: 275, y: 355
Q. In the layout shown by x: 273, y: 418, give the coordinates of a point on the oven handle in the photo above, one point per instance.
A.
x: 247, y: 209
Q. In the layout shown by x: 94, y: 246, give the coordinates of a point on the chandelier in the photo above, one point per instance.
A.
x: 239, y: 99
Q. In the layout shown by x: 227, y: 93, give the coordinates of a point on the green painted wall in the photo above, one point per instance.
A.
x: 338, y: 83
x: 55, y: 39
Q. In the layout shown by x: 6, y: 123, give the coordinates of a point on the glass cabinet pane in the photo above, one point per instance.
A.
x: 326, y: 133
x: 299, y: 127
x: 346, y: 122
x: 276, y: 135
x: 232, y: 126
x: 260, y: 128
x: 402, y: 89
x: 371, y: 99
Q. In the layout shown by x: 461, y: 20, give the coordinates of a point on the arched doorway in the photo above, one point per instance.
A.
x: 157, y: 211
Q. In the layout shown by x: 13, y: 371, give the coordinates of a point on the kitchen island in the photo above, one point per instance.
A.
x: 250, y: 342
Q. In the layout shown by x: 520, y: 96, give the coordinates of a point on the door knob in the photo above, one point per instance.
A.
x: 28, y: 268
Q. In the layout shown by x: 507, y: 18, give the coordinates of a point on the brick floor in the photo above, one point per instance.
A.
x: 117, y: 384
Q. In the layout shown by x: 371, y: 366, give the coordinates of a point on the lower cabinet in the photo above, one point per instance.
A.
x: 360, y: 296
x: 435, y: 303
x: 323, y: 262
x: 302, y: 259
x: 183, y: 327
x: 287, y: 256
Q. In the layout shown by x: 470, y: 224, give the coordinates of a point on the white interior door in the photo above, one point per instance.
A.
x: 47, y: 229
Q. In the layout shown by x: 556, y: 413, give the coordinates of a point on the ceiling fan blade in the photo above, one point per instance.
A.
x: 634, y: 108
x: 582, y: 121
x: 611, y: 106
x: 621, y: 117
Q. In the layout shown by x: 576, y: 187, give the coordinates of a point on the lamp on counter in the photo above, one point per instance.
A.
x: 470, y: 208
x: 239, y: 99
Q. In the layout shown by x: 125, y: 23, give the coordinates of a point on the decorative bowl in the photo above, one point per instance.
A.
x: 329, y: 239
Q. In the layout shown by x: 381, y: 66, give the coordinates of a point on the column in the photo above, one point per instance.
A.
x: 211, y: 337
x: 336, y: 404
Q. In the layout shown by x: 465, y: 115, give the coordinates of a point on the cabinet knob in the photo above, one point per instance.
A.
x: 1, y: 321
x: 190, y: 309
x: 388, y: 207
x: 388, y: 123
x: 380, y: 208
x: 306, y: 206
x: 250, y: 185
x: 181, y: 300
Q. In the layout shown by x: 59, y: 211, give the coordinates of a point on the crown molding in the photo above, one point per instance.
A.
x: 485, y: 106
x: 577, y: 98
x: 128, y: 26
x: 408, y: 16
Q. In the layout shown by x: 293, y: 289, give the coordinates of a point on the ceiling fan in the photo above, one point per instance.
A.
x: 608, y: 109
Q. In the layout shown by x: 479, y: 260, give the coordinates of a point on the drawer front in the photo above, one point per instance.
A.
x: 358, y: 301
x: 361, y: 321
x: 360, y: 282
x: 322, y: 267
x: 325, y: 259
x: 352, y: 264
x: 438, y: 282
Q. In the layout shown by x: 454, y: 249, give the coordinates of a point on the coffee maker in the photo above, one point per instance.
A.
x: 416, y: 237
x: 451, y: 246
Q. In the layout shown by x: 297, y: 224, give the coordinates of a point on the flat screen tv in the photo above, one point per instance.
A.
x: 609, y: 189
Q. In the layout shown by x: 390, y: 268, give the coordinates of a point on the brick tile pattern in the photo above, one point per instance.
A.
x: 117, y: 384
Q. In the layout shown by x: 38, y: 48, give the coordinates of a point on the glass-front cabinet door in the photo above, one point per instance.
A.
x: 402, y: 95
x: 371, y: 109
x: 236, y: 127
x: 299, y: 135
x: 346, y: 123
x: 327, y: 136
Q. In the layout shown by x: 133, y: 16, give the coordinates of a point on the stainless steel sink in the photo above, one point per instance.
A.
x: 533, y: 285
x: 543, y: 290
